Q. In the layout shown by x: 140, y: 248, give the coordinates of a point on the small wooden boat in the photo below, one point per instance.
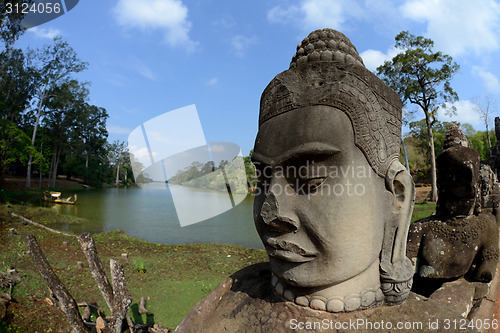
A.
x: 56, y: 198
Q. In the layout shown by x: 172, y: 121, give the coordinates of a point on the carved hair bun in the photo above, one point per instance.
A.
x: 326, y: 45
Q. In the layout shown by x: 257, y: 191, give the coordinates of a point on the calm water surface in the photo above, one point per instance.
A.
x: 148, y: 213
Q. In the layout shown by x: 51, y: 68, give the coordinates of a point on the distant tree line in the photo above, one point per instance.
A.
x: 47, y: 124
x: 418, y: 150
x: 227, y: 175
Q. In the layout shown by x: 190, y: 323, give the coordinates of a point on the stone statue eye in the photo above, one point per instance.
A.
x: 310, y: 185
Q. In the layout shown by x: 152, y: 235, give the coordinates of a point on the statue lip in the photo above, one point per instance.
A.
x: 287, y: 251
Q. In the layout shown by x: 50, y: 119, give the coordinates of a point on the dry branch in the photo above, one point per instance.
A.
x: 90, y: 251
x: 41, y: 225
x: 121, y: 296
x: 67, y: 302
x: 142, y: 307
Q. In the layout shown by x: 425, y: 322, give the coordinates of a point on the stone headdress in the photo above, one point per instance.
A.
x: 327, y: 70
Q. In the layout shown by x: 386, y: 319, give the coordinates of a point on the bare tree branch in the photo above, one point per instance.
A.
x: 90, y: 251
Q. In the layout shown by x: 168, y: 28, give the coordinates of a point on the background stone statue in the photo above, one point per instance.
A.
x: 494, y: 160
x: 462, y: 238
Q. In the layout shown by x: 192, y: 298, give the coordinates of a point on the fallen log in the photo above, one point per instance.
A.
x: 66, y: 302
x: 41, y: 225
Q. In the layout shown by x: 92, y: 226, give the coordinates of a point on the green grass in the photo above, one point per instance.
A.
x: 423, y: 210
x: 174, y: 277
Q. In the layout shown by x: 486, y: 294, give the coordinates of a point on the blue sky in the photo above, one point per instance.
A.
x: 148, y: 57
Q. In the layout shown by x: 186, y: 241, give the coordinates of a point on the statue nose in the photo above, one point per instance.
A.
x: 277, y: 214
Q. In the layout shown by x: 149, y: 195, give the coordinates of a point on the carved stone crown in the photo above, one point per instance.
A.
x: 327, y: 70
x: 455, y: 137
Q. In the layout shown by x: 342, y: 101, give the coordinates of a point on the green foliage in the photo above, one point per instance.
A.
x: 250, y: 170
x: 17, y: 83
x: 418, y: 131
x: 39, y: 98
x: 422, y: 77
x: 479, y: 141
x: 209, y: 176
x: 15, y: 145
x: 120, y: 162
x: 418, y: 150
x: 177, y: 276
x: 419, y: 75
x: 10, y: 27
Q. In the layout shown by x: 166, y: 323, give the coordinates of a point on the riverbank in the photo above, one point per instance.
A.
x: 171, y: 277
x: 17, y: 183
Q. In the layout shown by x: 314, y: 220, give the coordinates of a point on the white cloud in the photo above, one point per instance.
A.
x: 170, y: 16
x: 316, y: 14
x: 283, y: 15
x: 142, y: 69
x: 213, y: 81
x: 458, y: 26
x: 45, y: 33
x: 373, y: 58
x: 464, y: 113
x: 490, y: 80
x: 240, y: 44
x: 142, y: 155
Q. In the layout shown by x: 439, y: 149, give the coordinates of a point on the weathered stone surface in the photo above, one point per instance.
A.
x: 245, y: 302
x: 458, y: 181
x: 490, y: 191
x: 459, y: 240
x: 458, y: 295
x: 455, y: 137
x: 494, y: 160
x: 448, y: 249
x: 333, y: 203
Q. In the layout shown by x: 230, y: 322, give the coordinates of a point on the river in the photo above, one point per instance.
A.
x: 148, y: 213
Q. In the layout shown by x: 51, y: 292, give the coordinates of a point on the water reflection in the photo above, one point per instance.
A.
x: 148, y: 213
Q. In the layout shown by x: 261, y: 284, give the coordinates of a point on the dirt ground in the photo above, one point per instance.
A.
x: 423, y: 192
x: 16, y: 183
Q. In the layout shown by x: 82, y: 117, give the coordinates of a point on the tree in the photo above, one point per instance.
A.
x: 14, y: 145
x: 485, y: 107
x: 117, y: 153
x: 479, y: 140
x: 16, y: 84
x: 91, y: 133
x: 64, y: 104
x: 10, y: 20
x: 16, y: 89
x: 57, y: 62
x: 422, y: 77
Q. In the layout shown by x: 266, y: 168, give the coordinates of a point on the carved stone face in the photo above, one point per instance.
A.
x: 319, y: 208
x: 458, y: 181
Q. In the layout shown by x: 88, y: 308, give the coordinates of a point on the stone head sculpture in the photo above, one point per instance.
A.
x: 460, y: 239
x: 333, y: 203
x: 458, y: 169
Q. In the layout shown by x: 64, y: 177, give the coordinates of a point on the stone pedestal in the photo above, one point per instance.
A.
x: 245, y: 302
